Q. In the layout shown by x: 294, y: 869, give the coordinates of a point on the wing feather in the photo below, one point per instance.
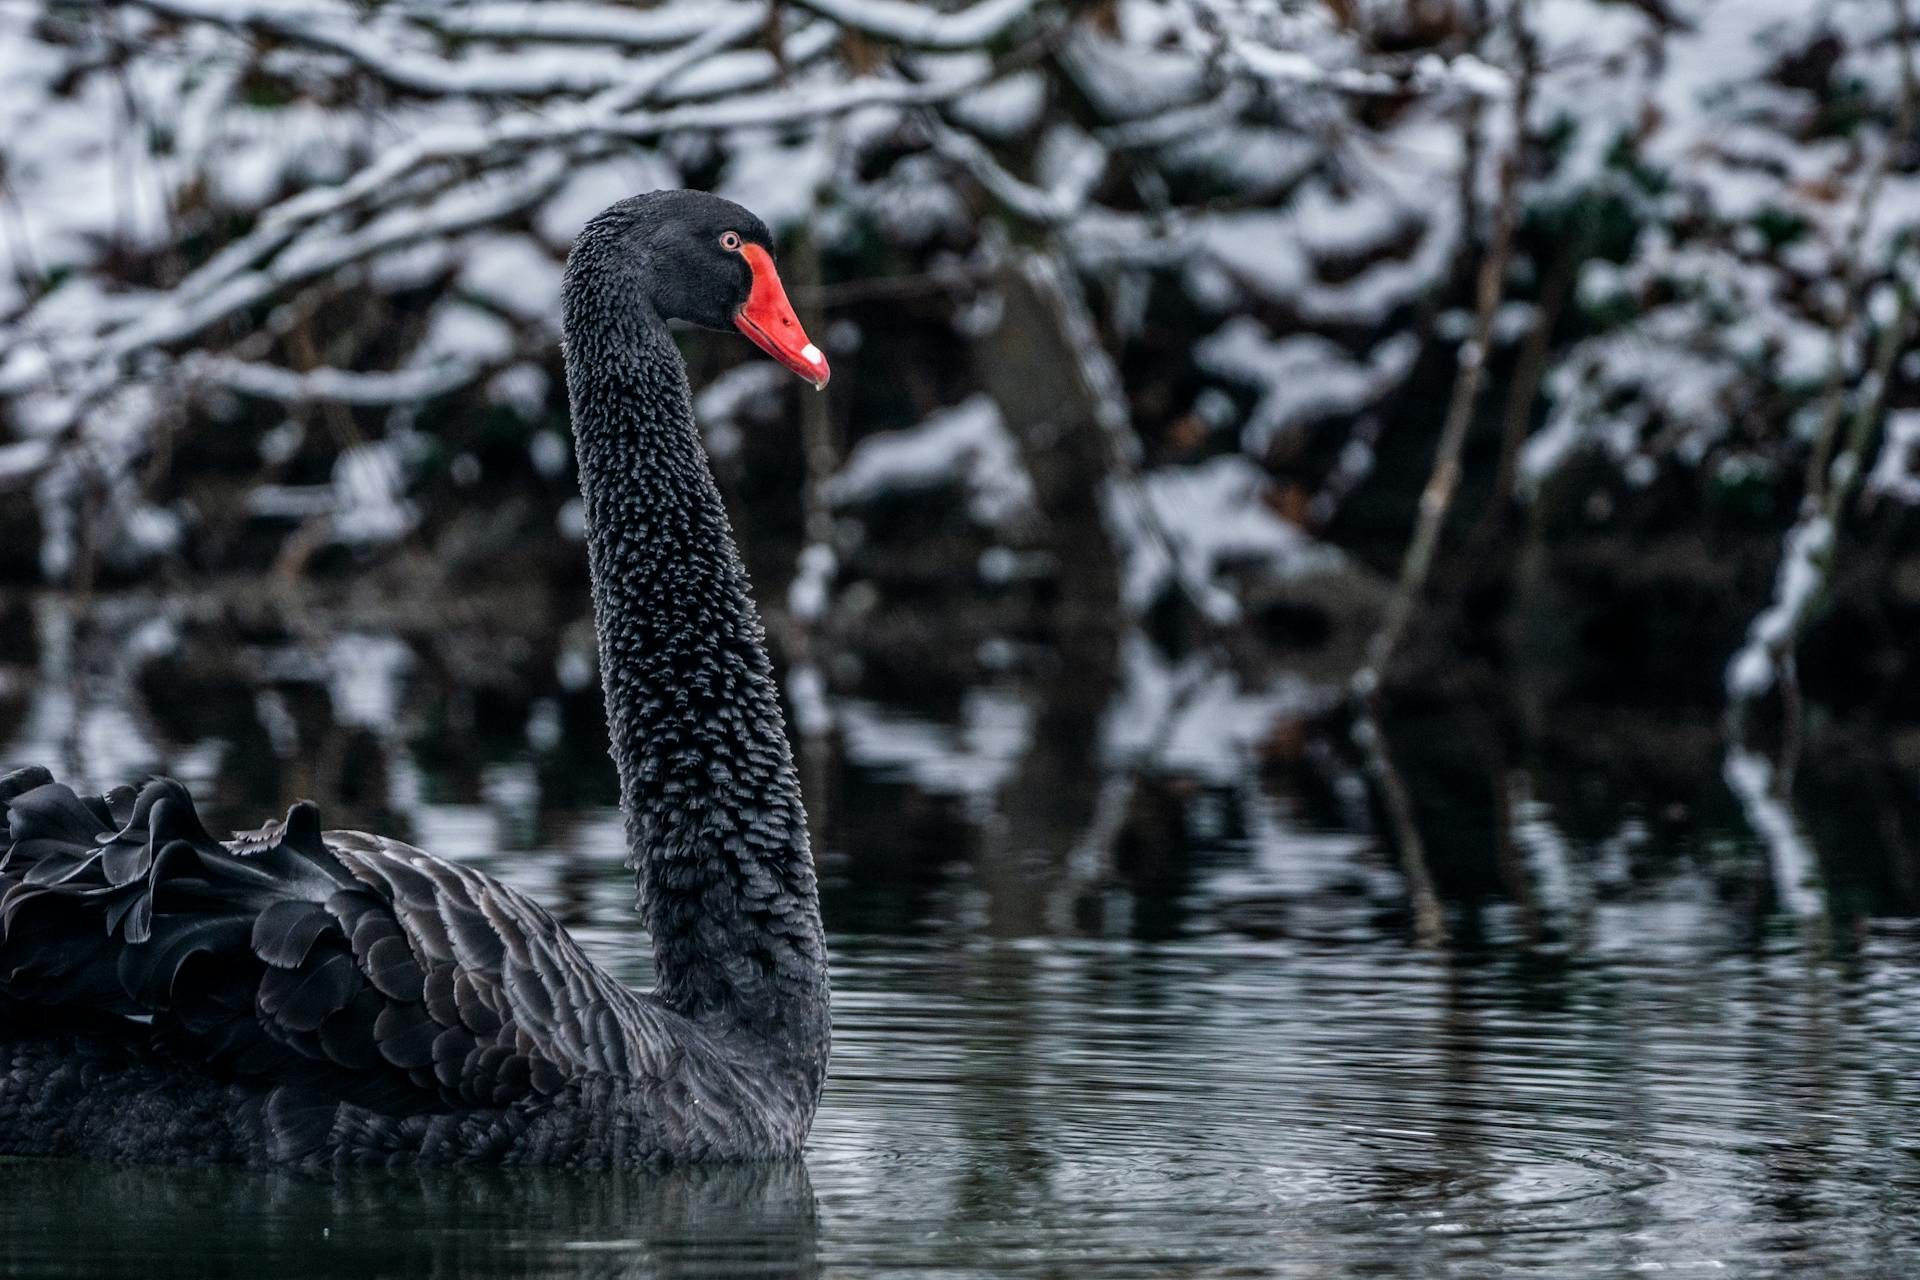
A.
x: 335, y: 965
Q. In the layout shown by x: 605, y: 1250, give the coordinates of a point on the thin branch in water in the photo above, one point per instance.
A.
x: 1429, y: 922
x: 1435, y: 502
x: 1794, y: 864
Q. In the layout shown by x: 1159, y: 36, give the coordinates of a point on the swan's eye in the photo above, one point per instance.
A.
x: 730, y: 241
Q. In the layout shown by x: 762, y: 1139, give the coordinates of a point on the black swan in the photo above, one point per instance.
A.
x: 312, y: 999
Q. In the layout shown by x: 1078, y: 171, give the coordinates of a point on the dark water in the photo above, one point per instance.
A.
x: 1131, y: 993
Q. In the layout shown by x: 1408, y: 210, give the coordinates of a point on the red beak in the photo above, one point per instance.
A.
x: 768, y: 319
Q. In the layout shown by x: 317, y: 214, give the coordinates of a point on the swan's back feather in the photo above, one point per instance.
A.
x: 337, y: 968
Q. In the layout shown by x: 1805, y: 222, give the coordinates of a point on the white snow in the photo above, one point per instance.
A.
x: 364, y: 679
x: 1214, y: 522
x: 18, y: 461
x: 1301, y: 379
x: 512, y: 273
x: 1896, y: 469
x: 777, y: 178
x: 812, y: 582
x: 971, y: 760
x: 368, y: 503
x: 1795, y: 866
x: 967, y: 446
x: 1193, y: 718
x: 1802, y: 576
x: 1003, y: 110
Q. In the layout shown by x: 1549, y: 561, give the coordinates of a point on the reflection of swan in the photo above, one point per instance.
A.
x: 734, y: 1219
x: 301, y: 998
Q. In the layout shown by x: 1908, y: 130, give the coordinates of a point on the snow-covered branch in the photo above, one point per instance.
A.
x: 908, y: 23
x: 374, y: 48
x: 581, y: 21
x: 300, y: 248
x: 1810, y: 545
x: 336, y: 386
x: 1464, y: 74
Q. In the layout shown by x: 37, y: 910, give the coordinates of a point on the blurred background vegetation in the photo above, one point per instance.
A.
x: 1443, y: 408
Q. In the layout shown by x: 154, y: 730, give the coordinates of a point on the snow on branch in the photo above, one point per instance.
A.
x: 374, y: 48
x: 904, y: 22
x: 453, y: 143
x: 586, y: 23
x: 294, y: 248
x: 1803, y: 570
x: 967, y: 444
x: 1463, y: 74
x: 1059, y: 204
x: 184, y: 313
x: 898, y: 21
x: 338, y: 386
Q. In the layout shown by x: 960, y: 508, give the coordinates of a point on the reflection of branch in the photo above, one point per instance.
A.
x: 1796, y: 867
x: 1091, y: 859
x: 1536, y: 352
x: 1435, y: 502
x: 1429, y: 923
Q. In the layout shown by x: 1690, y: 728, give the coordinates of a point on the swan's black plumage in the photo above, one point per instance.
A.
x: 294, y: 996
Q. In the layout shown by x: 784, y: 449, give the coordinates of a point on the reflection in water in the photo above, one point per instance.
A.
x: 741, y: 1220
x: 1123, y: 981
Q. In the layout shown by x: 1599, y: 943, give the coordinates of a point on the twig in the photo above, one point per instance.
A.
x: 1437, y: 499
x: 1429, y: 922
x: 1853, y: 263
x: 939, y: 279
x: 1530, y: 370
x: 1435, y: 502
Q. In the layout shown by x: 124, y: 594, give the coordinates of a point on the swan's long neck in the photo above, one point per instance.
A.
x: 715, y: 828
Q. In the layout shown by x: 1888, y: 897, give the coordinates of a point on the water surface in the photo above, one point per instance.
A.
x: 1155, y: 1013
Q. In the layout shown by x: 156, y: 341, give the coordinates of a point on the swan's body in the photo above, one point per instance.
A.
x: 294, y: 997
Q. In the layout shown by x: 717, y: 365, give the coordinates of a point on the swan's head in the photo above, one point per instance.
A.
x: 705, y: 260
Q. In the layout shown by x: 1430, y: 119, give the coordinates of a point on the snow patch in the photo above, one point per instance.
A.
x: 967, y: 445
